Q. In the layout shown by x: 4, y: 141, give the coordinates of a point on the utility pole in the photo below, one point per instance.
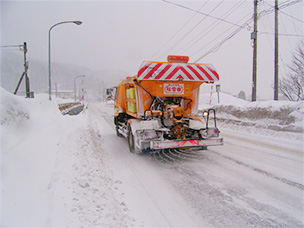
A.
x: 254, y: 38
x: 27, y: 81
x: 276, y: 53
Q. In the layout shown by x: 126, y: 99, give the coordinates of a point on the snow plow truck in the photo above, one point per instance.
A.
x: 158, y: 108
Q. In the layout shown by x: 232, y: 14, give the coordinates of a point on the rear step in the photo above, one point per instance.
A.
x: 169, y: 144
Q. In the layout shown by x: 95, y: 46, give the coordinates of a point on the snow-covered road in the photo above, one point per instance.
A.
x: 250, y: 181
x: 73, y: 171
x: 151, y: 200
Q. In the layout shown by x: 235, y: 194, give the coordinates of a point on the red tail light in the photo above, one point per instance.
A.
x: 177, y: 59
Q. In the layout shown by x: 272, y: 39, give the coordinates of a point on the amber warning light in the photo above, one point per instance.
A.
x: 177, y: 59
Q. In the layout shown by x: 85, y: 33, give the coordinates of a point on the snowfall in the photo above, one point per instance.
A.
x: 73, y: 171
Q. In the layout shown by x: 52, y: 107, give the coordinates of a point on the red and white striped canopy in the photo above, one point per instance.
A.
x: 177, y: 71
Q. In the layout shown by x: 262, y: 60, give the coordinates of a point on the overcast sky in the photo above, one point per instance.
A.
x: 121, y: 34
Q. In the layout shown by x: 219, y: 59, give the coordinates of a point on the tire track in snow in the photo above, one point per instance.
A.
x: 174, y: 155
x: 222, y: 204
x: 155, y: 197
x: 271, y: 175
x: 108, y: 120
x: 86, y: 194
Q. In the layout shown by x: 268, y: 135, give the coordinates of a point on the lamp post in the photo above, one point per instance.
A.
x: 75, y: 85
x: 63, y: 22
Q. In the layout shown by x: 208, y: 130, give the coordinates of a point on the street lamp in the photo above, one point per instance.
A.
x: 63, y: 22
x: 75, y: 85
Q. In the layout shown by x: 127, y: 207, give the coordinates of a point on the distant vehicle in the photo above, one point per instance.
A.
x: 158, y: 108
x: 110, y: 93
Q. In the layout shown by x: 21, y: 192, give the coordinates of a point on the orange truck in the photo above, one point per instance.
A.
x: 158, y: 108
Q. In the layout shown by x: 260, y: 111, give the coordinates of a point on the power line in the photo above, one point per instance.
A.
x: 263, y: 13
x: 292, y: 17
x: 281, y: 6
x: 280, y: 34
x: 293, y: 20
x: 213, y: 26
x: 179, y: 30
x: 208, y: 15
x: 282, y: 3
x: 217, y: 46
x: 284, y: 27
x: 195, y: 26
x: 11, y: 46
x: 297, y: 30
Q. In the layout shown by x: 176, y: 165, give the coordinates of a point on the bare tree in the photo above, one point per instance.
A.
x: 293, y: 86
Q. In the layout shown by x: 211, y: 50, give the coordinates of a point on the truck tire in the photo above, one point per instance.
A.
x: 131, y: 141
x: 116, y: 122
x: 117, y: 132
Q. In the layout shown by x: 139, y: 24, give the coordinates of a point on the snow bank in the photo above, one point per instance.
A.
x: 224, y: 98
x: 284, y: 116
x: 12, y: 109
x: 30, y: 132
x: 17, y: 110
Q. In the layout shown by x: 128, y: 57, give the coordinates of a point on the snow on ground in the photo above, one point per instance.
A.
x: 280, y: 117
x: 72, y: 171
x: 31, y: 132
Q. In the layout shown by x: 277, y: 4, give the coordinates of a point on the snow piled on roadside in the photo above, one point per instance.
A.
x: 284, y: 116
x: 17, y: 110
x: 53, y: 173
x: 30, y: 131
x: 12, y: 110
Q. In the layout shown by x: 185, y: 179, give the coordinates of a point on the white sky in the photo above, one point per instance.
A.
x: 121, y: 34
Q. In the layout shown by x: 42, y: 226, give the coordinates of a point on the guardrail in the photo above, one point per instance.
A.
x: 72, y: 108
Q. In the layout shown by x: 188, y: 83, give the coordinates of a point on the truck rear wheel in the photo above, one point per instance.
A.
x: 117, y: 131
x: 131, y: 141
x: 117, y: 123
